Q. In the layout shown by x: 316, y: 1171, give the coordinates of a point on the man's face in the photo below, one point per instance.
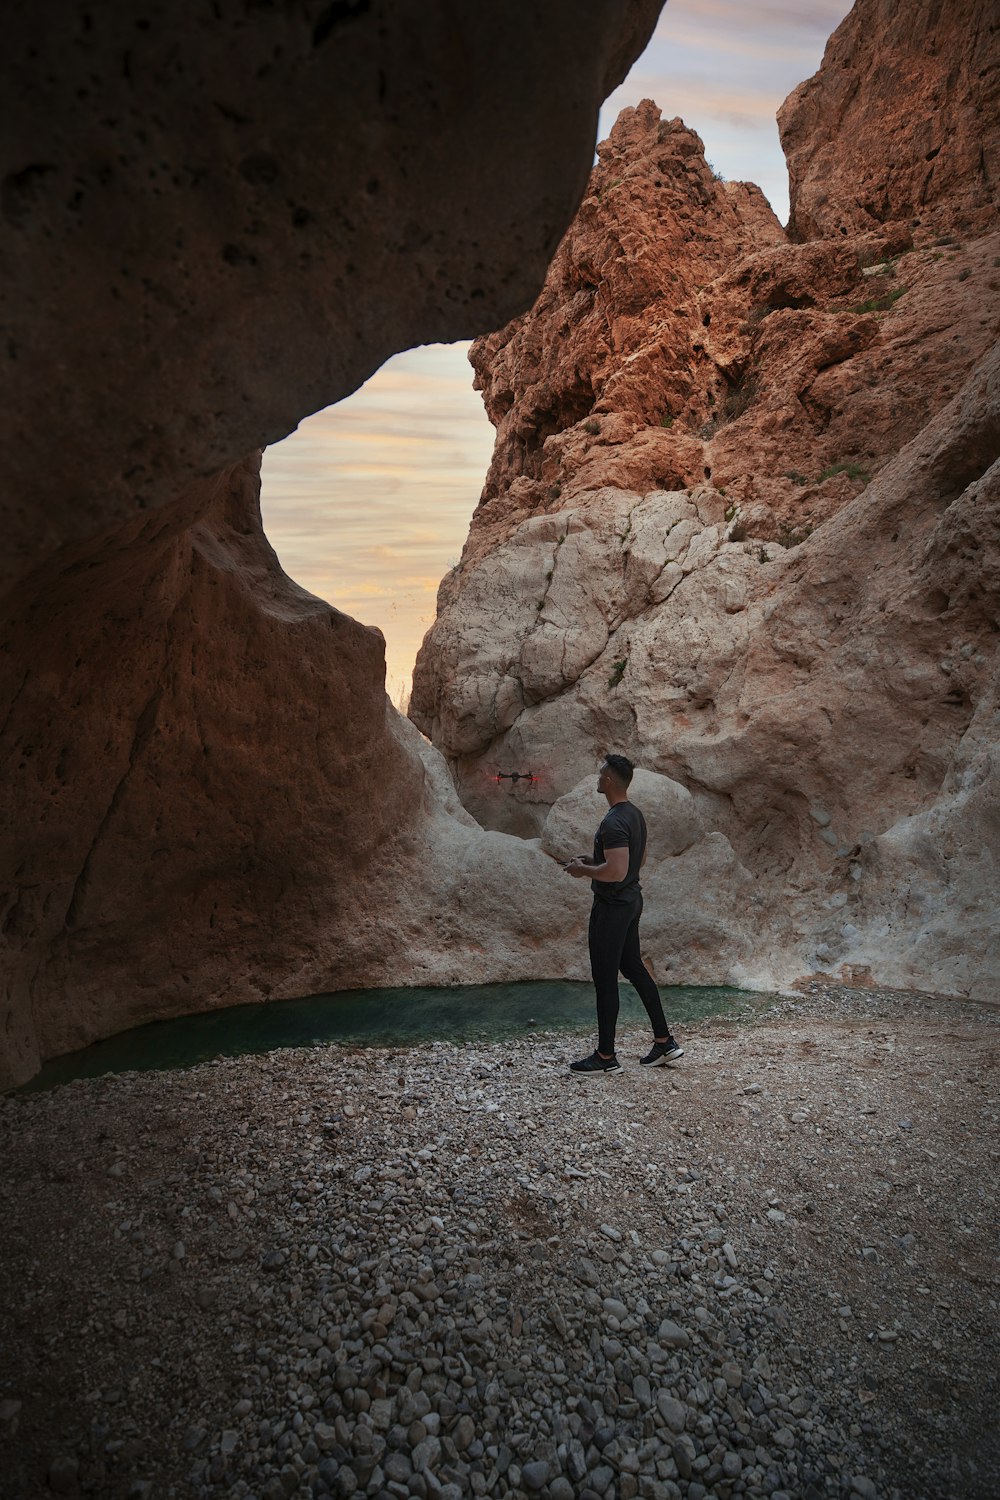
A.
x: 603, y: 777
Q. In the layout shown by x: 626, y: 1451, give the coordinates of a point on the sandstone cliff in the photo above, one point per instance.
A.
x: 214, y: 224
x: 901, y: 123
x: 742, y: 522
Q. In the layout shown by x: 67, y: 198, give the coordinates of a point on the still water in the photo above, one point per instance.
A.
x: 376, y: 1018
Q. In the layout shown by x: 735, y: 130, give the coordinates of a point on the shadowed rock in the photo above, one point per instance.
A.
x: 216, y: 222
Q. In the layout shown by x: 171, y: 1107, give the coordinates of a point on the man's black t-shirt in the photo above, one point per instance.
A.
x: 623, y: 827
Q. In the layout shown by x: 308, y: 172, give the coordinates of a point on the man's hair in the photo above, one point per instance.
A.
x: 621, y: 766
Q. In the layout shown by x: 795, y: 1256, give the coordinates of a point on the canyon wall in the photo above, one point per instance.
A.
x: 214, y: 223
x: 743, y: 523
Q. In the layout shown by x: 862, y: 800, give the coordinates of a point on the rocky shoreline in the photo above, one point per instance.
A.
x: 459, y: 1270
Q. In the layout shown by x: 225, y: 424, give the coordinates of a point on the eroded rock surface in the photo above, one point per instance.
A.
x: 902, y: 121
x: 214, y: 224
x: 743, y: 521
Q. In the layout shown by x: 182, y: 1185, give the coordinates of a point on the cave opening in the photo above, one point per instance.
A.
x: 368, y: 503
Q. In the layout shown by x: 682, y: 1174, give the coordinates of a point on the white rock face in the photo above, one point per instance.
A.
x: 672, y: 820
x: 475, y: 906
x: 816, y: 727
x: 481, y: 906
x: 559, y: 611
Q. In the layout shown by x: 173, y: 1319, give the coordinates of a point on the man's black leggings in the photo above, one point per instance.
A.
x: 614, y: 948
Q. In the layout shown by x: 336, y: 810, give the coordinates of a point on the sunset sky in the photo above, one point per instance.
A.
x: 369, y: 502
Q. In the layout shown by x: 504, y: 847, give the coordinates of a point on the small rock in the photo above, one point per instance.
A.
x: 611, y: 1232
x: 682, y: 1454
x: 534, y: 1475
x: 601, y: 1478
x: 672, y: 1335
x: 673, y: 1412
x: 464, y: 1433
x: 63, y: 1472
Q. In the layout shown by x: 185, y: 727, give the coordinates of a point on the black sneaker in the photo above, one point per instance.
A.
x: 662, y: 1052
x: 595, y: 1063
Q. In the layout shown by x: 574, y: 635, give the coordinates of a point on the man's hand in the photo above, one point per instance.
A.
x: 614, y: 868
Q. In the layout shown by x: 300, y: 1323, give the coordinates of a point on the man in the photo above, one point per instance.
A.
x: 619, y: 854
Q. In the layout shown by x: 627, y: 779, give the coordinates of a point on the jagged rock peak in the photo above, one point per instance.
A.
x: 900, y: 123
x: 603, y: 380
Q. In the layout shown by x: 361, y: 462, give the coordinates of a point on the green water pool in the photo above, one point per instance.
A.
x: 377, y: 1018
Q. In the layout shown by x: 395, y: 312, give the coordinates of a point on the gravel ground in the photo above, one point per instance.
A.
x: 461, y: 1271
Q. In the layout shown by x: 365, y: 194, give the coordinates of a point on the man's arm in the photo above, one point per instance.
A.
x: 614, y: 868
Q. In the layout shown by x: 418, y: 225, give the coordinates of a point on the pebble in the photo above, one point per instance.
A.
x: 673, y: 1412
x: 63, y: 1472
x: 534, y: 1476
x: 425, y: 1308
x: 672, y: 1335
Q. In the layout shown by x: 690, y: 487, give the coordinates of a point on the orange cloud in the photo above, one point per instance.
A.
x: 368, y: 503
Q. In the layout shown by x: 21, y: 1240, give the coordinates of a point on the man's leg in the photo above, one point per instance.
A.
x: 606, y: 937
x: 636, y: 973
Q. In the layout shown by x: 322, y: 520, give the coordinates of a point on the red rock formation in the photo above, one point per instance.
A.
x: 782, y: 598
x: 215, y: 223
x: 901, y: 124
x: 139, y: 760
x: 223, y: 806
x: 606, y: 380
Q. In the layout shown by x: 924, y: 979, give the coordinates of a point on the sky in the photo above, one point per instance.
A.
x: 368, y: 503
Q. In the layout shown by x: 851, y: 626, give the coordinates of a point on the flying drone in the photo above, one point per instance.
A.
x: 515, y: 776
